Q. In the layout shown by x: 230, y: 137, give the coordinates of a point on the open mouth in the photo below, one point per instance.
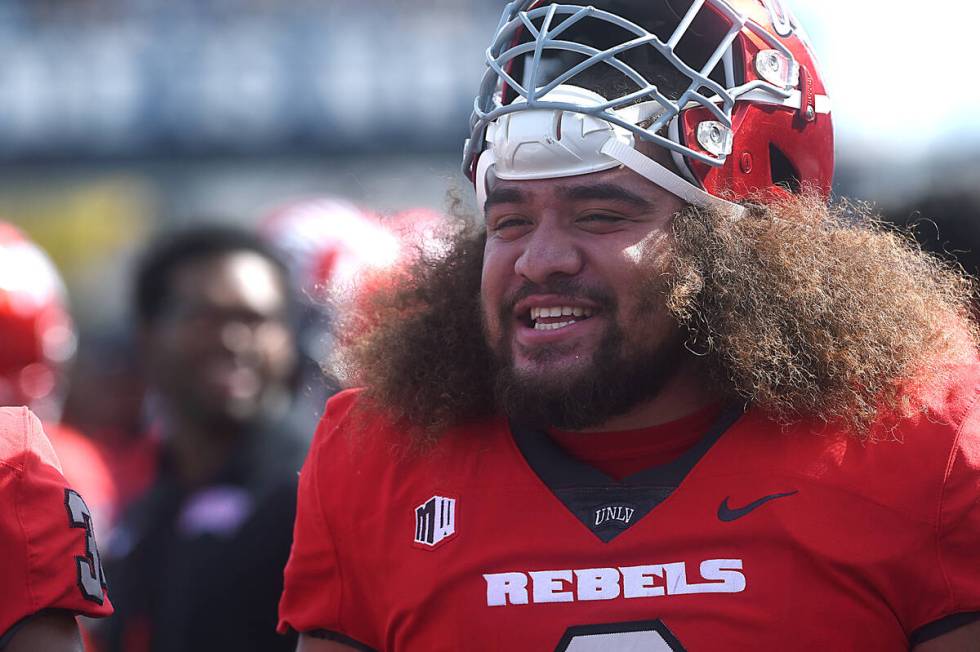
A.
x: 550, y: 318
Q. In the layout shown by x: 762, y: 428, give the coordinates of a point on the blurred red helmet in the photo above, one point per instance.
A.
x: 420, y: 230
x: 330, y: 243
x: 37, y: 336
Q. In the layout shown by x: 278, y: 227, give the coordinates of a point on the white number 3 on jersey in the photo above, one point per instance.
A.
x: 91, y: 578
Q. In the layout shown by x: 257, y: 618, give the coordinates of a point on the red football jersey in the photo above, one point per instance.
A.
x: 48, y: 554
x: 757, y: 538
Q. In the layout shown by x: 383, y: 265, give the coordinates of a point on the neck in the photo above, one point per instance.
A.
x: 199, y: 450
x: 688, y: 391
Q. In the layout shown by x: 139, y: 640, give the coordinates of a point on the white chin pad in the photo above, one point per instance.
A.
x: 548, y: 143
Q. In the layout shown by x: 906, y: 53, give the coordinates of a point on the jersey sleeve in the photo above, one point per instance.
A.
x: 311, y: 592
x: 319, y: 596
x: 48, y: 548
x: 959, y: 527
x: 953, y: 568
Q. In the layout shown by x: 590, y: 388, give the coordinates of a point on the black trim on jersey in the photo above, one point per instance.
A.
x: 9, y: 634
x: 943, y: 626
x: 621, y: 628
x: 328, y: 635
x: 583, y: 489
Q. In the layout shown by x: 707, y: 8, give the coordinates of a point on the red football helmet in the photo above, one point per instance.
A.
x: 330, y: 243
x: 729, y: 87
x: 420, y: 230
x: 36, y: 333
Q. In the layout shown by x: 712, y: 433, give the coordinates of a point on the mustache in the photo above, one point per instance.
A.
x: 567, y: 287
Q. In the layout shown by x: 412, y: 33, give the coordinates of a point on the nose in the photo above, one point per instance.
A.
x: 236, y: 336
x: 548, y: 251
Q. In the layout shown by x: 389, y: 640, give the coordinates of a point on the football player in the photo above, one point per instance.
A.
x: 666, y: 397
x: 38, y: 344
x: 51, y: 566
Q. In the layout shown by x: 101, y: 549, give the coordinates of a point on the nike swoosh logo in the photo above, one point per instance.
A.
x: 726, y: 513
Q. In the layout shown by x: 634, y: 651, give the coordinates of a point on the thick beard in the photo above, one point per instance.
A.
x: 615, y: 380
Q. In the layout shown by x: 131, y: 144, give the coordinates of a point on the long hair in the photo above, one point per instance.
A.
x: 799, y: 308
x: 806, y: 309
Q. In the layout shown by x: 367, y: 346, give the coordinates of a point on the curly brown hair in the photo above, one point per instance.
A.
x: 807, y: 309
x: 799, y: 308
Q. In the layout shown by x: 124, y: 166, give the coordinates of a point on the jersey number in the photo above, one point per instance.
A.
x: 91, y: 578
x: 642, y: 636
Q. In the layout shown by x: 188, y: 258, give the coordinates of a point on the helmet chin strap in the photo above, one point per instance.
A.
x: 649, y: 169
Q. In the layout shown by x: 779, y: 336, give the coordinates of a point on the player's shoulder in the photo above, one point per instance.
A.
x: 46, y: 538
x: 348, y: 423
x: 353, y: 424
x: 358, y: 441
x: 22, y: 440
x: 937, y: 414
x: 958, y: 413
x: 914, y: 452
x: 945, y: 417
x: 350, y: 439
x: 953, y: 398
x: 913, y: 455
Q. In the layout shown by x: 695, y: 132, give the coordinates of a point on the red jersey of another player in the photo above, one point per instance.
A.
x: 48, y: 555
x: 757, y: 538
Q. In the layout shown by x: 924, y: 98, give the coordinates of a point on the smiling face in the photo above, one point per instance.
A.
x: 572, y: 294
x: 223, y: 348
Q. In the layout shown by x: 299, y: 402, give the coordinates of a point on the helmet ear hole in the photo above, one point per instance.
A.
x: 783, y: 172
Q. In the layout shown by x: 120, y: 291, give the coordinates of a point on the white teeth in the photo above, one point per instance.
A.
x: 552, y: 327
x: 560, y: 311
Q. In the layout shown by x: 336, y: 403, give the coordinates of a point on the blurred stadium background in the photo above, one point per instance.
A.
x: 122, y: 117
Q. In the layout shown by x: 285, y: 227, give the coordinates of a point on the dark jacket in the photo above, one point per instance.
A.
x: 202, y: 570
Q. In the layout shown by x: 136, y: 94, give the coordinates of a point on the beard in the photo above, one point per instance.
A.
x: 619, y: 376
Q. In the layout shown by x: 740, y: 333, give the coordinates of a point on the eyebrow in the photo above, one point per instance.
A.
x: 604, y: 191
x: 578, y: 192
x: 503, y: 195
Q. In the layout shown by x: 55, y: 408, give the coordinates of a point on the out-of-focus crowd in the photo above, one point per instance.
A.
x: 186, y: 439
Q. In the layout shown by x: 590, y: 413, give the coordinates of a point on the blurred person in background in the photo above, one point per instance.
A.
x: 105, y: 401
x: 38, y: 345
x: 198, y: 559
